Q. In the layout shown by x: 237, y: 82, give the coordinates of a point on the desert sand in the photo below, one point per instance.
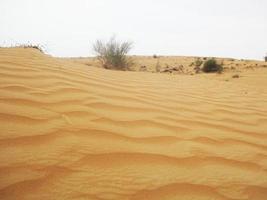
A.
x: 73, y: 131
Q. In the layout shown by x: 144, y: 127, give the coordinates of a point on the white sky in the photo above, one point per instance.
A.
x: 224, y: 28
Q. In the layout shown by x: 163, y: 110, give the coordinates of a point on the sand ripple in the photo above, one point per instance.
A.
x: 69, y: 131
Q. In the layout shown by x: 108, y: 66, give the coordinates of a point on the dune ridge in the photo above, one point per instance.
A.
x: 72, y: 131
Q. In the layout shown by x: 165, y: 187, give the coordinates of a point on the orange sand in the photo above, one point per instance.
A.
x: 70, y: 131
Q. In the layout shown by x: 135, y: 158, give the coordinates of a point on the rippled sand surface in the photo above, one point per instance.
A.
x: 70, y: 131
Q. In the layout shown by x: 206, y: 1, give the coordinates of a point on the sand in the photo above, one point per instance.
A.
x: 73, y: 131
x: 183, y: 64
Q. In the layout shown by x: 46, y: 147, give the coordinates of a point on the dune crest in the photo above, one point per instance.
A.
x: 70, y: 131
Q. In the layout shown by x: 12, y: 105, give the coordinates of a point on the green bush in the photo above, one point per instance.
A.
x: 211, y: 66
x: 198, y: 62
x: 113, y: 54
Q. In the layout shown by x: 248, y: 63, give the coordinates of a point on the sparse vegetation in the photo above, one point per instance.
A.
x: 113, y: 54
x: 235, y: 76
x: 211, y: 66
x: 143, y: 68
x: 38, y: 47
x: 26, y: 46
x: 198, y: 62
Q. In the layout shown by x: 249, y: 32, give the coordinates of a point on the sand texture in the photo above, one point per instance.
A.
x: 72, y: 131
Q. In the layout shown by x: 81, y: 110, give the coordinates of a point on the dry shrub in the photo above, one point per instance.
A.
x: 113, y: 54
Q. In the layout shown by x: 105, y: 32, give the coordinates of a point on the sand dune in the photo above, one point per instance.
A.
x: 70, y: 131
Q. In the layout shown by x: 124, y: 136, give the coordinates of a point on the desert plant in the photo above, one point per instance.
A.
x: 155, y: 56
x: 212, y: 66
x: 33, y: 46
x: 198, y: 62
x: 113, y: 54
x: 235, y: 76
x: 39, y: 47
